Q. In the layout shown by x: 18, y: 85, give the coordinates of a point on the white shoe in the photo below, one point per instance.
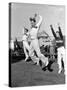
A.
x: 59, y: 71
x: 26, y: 59
x: 46, y: 62
x: 37, y: 63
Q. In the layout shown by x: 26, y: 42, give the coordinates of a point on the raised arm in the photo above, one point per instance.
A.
x: 53, y: 31
x: 60, y: 33
x: 40, y: 21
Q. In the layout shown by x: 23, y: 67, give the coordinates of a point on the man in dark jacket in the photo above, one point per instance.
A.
x: 60, y: 46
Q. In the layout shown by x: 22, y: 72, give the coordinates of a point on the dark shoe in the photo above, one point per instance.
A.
x: 44, y: 68
x: 49, y: 69
x: 49, y: 66
x: 34, y: 63
x: 28, y: 60
x: 40, y: 63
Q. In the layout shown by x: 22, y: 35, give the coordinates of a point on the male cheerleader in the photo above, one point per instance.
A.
x: 26, y: 47
x: 34, y: 46
x: 25, y: 42
x: 60, y: 47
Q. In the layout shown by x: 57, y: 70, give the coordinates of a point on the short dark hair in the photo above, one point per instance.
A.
x: 32, y: 19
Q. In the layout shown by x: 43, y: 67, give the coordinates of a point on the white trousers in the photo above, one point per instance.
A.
x: 26, y: 47
x: 61, y: 56
x: 34, y: 46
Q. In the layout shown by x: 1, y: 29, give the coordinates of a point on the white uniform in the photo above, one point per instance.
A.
x: 61, y: 55
x: 35, y: 44
x: 25, y: 45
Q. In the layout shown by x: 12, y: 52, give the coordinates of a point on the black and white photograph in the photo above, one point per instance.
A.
x: 36, y: 44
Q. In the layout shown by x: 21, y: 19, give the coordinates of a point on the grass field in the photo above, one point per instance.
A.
x: 26, y: 74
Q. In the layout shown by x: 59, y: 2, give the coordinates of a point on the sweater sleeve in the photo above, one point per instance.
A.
x: 40, y: 21
x: 53, y: 32
x: 60, y: 33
